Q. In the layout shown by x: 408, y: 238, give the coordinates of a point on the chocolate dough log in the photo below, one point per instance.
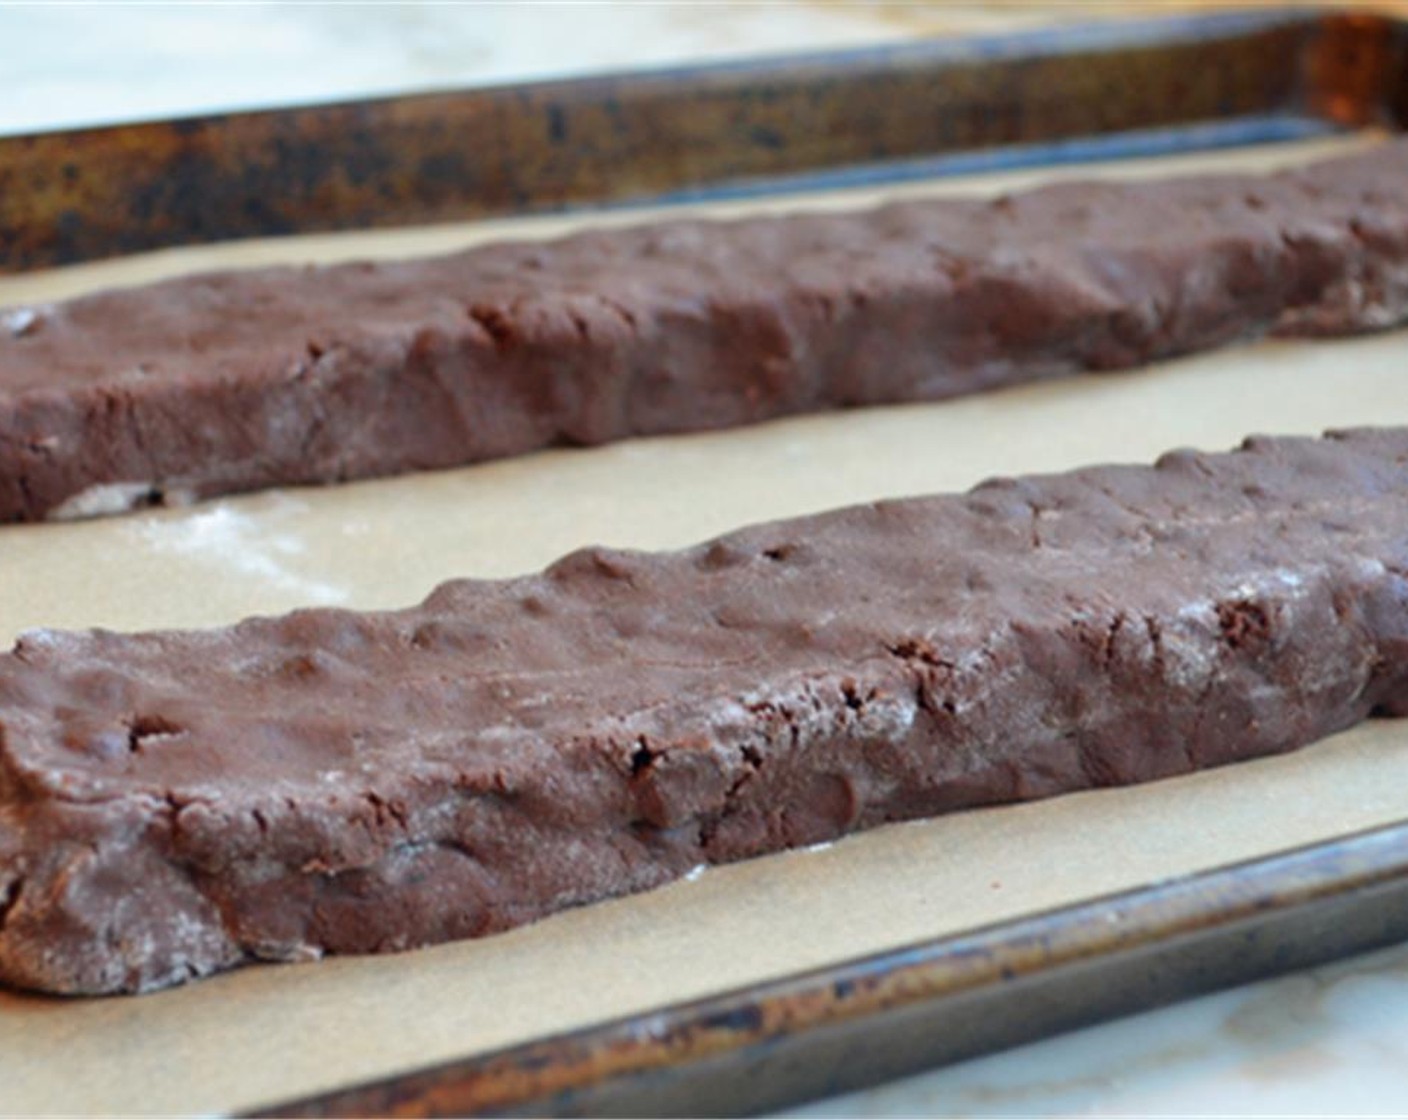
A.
x: 337, y: 782
x: 240, y: 380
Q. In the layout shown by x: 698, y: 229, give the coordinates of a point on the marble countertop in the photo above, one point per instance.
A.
x: 1334, y: 1039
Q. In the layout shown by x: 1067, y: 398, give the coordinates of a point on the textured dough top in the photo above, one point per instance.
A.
x: 275, y: 320
x: 496, y: 675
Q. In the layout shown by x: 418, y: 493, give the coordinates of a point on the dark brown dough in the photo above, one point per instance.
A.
x: 241, y: 380
x: 339, y: 782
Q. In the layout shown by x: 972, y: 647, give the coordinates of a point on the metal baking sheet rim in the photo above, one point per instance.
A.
x: 870, y: 1019
x: 874, y: 115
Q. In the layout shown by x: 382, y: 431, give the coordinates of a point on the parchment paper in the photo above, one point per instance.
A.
x: 275, y: 1032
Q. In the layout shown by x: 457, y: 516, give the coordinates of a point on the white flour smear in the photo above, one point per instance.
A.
x: 243, y: 544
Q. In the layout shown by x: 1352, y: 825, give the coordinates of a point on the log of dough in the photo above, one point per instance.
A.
x: 241, y: 380
x: 176, y: 803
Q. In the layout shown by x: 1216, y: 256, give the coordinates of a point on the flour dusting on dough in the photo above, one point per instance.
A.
x: 103, y: 500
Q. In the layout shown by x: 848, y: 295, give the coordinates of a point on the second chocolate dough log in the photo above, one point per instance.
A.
x: 176, y: 803
x: 241, y: 380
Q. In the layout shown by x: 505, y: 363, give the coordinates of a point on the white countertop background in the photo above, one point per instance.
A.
x: 1334, y: 1039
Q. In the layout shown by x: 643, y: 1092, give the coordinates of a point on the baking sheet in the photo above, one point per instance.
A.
x: 271, y: 1033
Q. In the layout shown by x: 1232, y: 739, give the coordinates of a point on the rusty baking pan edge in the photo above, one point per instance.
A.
x: 873, y: 1019
x: 895, y: 112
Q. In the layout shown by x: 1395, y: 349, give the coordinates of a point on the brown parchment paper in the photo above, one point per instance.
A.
x: 275, y: 1032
